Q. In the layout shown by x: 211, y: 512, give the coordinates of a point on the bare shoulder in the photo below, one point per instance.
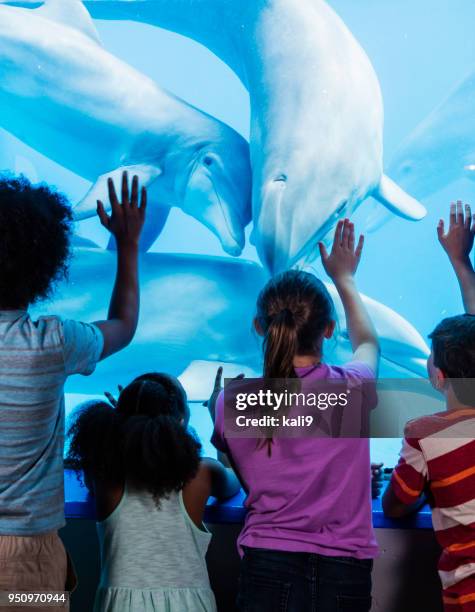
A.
x: 107, y: 498
x: 203, y: 480
x: 197, y: 490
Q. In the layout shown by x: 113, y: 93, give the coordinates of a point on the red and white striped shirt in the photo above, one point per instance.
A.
x: 438, y: 456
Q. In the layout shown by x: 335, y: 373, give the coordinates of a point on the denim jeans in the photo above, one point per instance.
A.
x: 277, y: 581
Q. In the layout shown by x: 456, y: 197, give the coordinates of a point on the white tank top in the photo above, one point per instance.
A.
x: 154, y: 555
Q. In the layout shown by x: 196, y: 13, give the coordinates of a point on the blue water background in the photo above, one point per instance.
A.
x: 419, y: 49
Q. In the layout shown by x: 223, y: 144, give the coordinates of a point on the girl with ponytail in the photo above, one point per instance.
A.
x: 307, y: 542
x: 143, y: 466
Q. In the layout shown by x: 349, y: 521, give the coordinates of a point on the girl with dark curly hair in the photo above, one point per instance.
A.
x: 150, y: 485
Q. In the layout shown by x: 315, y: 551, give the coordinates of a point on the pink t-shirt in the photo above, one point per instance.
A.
x: 312, y: 494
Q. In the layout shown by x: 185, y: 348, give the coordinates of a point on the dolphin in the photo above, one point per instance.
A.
x: 401, y: 344
x: 64, y: 95
x: 210, y: 320
x: 316, y: 111
x: 441, y: 149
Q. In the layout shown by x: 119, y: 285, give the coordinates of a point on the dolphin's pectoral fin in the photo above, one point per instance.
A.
x: 87, y: 206
x: 398, y: 201
x: 155, y: 220
x: 72, y: 13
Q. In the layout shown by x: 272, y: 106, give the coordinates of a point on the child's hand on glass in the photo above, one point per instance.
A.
x: 217, y: 388
x: 376, y: 479
x: 458, y: 241
x: 127, y: 218
x: 342, y: 262
x: 112, y: 400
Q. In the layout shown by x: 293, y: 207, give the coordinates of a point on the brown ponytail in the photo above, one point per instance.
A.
x: 280, y: 346
x: 293, y: 310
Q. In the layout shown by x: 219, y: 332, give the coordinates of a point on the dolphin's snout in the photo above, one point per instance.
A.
x: 214, y: 200
x: 232, y: 249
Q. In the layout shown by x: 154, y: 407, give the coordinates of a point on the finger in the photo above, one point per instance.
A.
x: 103, y: 216
x: 113, y: 196
x: 125, y: 189
x: 351, y: 237
x: 239, y: 377
x: 111, y: 398
x: 459, y: 212
x: 323, y: 251
x: 346, y: 233
x: 441, y: 230
x: 338, y: 233
x: 468, y: 216
x: 453, y: 215
x: 217, y: 380
x: 359, y: 247
x: 143, y: 200
x: 134, y: 202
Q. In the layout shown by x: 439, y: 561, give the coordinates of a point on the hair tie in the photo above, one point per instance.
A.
x: 287, y: 311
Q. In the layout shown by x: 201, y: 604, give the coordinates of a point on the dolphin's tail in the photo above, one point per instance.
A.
x: 394, y: 198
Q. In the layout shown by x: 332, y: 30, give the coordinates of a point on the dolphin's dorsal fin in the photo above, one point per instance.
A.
x: 398, y: 201
x: 72, y: 13
x: 87, y: 207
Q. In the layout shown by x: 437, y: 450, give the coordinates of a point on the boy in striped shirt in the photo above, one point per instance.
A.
x: 437, y: 459
x: 37, y: 356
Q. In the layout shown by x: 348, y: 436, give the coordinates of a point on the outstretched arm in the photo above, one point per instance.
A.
x: 458, y: 243
x: 125, y: 224
x: 393, y: 507
x: 341, y: 265
x: 212, y: 479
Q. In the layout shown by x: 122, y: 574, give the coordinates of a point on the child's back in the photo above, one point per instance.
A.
x: 153, y: 558
x: 439, y: 452
x: 150, y: 486
x: 438, y: 459
x: 308, y: 543
x: 313, y: 494
x: 37, y: 358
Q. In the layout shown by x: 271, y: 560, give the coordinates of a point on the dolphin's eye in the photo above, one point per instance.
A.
x: 208, y: 160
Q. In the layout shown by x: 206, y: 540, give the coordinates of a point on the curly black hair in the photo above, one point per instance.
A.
x: 35, y: 236
x: 143, y: 440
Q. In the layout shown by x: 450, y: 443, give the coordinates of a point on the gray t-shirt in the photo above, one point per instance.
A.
x: 36, y: 357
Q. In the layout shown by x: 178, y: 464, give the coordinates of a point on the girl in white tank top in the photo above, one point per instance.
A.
x: 150, y: 486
